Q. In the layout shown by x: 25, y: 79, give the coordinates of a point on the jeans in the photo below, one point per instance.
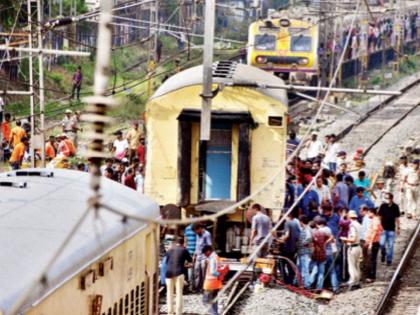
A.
x: 387, y: 240
x: 330, y: 267
x: 208, y: 297
x: 373, y: 258
x: 332, y: 166
x: 317, y: 274
x: 303, y: 264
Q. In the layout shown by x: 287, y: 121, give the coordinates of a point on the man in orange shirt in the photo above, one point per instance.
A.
x: 5, y: 127
x: 50, y: 149
x: 17, y: 134
x: 66, y: 146
x: 18, y: 154
x: 372, y: 238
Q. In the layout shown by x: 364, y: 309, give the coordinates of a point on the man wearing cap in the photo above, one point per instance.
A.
x: 314, y: 147
x: 411, y: 181
x: 359, y: 200
x: 379, y: 193
x: 354, y: 251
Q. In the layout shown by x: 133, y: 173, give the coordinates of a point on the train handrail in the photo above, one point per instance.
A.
x: 401, y: 266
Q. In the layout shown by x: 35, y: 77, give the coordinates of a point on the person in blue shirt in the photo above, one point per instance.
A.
x: 362, y: 181
x: 190, y: 240
x: 359, y: 200
x: 310, y: 196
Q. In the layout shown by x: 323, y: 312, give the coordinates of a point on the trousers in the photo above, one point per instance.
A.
x: 200, y: 267
x: 353, y: 257
x: 411, y: 195
x: 208, y: 298
x: 373, y: 260
x: 387, y: 245
x: 175, y: 286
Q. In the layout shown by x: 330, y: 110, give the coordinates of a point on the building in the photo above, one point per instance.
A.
x: 110, y: 265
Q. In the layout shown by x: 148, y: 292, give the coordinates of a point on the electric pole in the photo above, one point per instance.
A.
x: 210, y: 10
x: 41, y: 81
x: 31, y: 86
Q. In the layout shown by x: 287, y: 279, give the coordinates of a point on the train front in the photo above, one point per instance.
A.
x: 286, y: 47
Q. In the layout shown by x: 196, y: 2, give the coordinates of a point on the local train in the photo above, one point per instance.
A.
x: 110, y: 265
x: 286, y: 47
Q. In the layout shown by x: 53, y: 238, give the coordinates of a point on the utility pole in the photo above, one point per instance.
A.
x: 41, y: 81
x: 205, y: 126
x: 31, y: 86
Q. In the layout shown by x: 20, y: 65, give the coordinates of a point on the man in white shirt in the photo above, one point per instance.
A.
x: 322, y: 190
x: 314, y: 147
x: 379, y: 193
x: 120, y: 146
x: 1, y: 109
x: 402, y: 170
x: 411, y: 182
x: 332, y: 150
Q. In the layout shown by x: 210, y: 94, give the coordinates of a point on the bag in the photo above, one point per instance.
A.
x: 223, y: 271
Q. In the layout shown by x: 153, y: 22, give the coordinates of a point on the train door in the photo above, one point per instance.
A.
x: 218, y: 161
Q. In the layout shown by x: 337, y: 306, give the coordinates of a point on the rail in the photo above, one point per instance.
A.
x: 414, y: 242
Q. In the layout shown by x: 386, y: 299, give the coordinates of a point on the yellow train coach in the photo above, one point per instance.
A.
x: 247, y: 145
x: 109, y: 266
x: 286, y: 47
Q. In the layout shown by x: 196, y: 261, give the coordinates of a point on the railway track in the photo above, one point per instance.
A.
x: 402, y: 295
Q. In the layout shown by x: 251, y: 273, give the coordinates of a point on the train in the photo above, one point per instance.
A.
x: 110, y: 265
x: 286, y: 47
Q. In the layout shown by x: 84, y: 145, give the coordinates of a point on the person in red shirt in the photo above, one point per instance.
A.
x: 129, y: 179
x: 141, y: 151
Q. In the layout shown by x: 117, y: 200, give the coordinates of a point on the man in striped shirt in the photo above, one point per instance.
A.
x: 190, y: 241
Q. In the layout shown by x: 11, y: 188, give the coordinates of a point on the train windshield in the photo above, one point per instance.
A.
x: 300, y: 43
x: 265, y: 42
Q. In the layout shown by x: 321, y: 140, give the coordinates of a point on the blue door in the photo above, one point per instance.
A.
x: 218, y: 163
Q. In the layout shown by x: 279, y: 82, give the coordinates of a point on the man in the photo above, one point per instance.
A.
x: 389, y: 214
x: 50, y: 149
x: 332, y: 150
x: 359, y: 200
x: 290, y: 242
x: 402, y: 169
x: 1, y: 109
x: 321, y: 238
x: 109, y: 163
x: 354, y: 250
x: 77, y: 83
x: 352, y: 187
x: 310, y: 197
x: 366, y: 221
x: 314, y: 147
x: 213, y: 278
x: 176, y: 259
x: 304, y: 250
x: 119, y: 146
x: 190, y: 239
x: 18, y: 153
x: 362, y: 181
x: 340, y: 192
x: 65, y: 146
x: 199, y: 258
x: 292, y: 143
x: 343, y: 170
x: 141, y: 151
x: 372, y: 239
x: 17, y: 134
x: 260, y: 228
x: 379, y: 193
x: 129, y: 179
x: 133, y: 139
x: 5, y: 128
x: 69, y: 125
x: 324, y: 194
x: 411, y: 181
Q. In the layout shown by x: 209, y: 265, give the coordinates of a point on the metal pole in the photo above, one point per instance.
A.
x: 47, y: 51
x: 41, y: 81
x: 207, y: 70
x: 31, y: 86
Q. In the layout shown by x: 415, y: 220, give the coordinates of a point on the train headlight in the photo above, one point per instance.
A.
x: 303, y: 61
x: 261, y: 59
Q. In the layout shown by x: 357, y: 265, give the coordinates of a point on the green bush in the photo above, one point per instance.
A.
x: 56, y: 77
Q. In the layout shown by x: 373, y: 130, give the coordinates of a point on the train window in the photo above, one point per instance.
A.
x: 275, y: 121
x: 265, y: 42
x: 300, y: 43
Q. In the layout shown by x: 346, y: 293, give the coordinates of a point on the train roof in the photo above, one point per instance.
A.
x: 225, y: 72
x: 36, y: 220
